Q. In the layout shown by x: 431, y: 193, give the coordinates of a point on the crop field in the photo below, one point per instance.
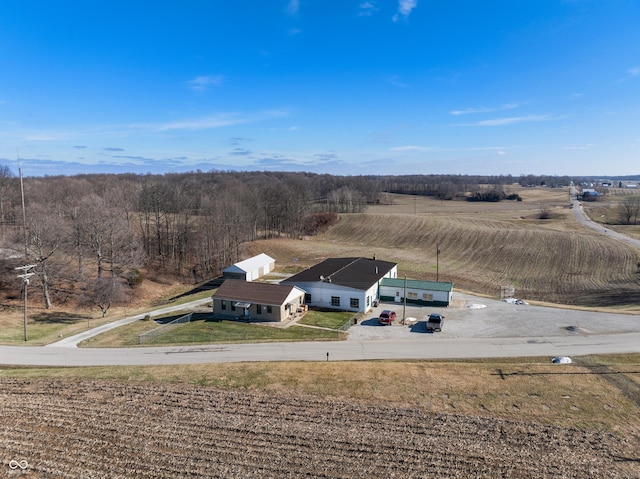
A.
x: 484, y: 246
x: 57, y: 427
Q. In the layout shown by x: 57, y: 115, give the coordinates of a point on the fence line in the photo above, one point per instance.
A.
x: 143, y: 338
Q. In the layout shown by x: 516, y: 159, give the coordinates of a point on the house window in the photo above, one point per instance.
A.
x: 354, y: 303
x: 411, y: 295
x: 335, y: 300
x: 427, y: 297
x: 368, y: 301
x: 223, y: 305
x: 268, y: 309
x: 258, y: 309
x: 233, y: 306
x: 307, y: 298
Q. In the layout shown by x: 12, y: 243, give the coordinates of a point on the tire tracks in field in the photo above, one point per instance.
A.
x: 621, y: 381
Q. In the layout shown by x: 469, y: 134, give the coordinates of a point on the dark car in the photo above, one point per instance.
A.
x: 435, y: 322
x: 387, y: 317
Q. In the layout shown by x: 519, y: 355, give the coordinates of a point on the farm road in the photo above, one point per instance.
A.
x: 583, y: 219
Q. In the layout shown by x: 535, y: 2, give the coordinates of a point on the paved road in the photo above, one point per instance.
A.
x: 582, y: 218
x: 425, y: 347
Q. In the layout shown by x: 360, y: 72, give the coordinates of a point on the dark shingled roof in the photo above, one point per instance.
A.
x: 261, y: 293
x: 358, y: 273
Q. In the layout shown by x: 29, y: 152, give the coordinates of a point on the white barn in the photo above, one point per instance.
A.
x: 250, y: 269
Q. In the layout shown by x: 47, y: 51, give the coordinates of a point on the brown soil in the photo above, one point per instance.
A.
x: 98, y: 428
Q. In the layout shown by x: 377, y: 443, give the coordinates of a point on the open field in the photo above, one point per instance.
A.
x: 511, y: 419
x: 484, y: 246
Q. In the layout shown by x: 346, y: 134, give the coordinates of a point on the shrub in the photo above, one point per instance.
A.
x: 318, y: 223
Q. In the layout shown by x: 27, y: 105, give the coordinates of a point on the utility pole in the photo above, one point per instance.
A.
x: 404, y: 306
x: 25, y: 282
x: 438, y: 261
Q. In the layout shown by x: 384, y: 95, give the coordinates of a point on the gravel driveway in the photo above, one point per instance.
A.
x: 470, y: 316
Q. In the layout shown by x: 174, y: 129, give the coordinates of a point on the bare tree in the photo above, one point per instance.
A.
x: 103, y: 293
x: 629, y: 210
x: 45, y: 232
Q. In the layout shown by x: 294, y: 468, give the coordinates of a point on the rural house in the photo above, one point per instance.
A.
x: 250, y: 269
x: 347, y: 284
x: 424, y: 293
x: 236, y: 299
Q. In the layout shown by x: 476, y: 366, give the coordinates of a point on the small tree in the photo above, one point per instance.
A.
x: 104, y: 292
x: 629, y: 210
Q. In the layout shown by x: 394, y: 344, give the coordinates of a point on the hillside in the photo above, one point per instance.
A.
x: 483, y: 247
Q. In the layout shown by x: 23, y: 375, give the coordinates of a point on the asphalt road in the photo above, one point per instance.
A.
x: 425, y: 347
x: 582, y: 218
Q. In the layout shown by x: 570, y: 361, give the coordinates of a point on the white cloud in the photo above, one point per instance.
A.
x: 484, y: 109
x: 510, y: 120
x: 395, y: 81
x: 293, y: 7
x: 219, y: 120
x: 367, y: 9
x: 405, y: 7
x: 588, y: 146
x: 202, y: 83
x: 499, y: 149
x: 631, y: 73
x: 410, y: 148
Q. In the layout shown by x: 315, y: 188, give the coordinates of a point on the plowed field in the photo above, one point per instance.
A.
x: 108, y: 429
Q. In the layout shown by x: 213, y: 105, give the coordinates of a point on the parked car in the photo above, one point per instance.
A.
x: 387, y: 317
x: 435, y: 322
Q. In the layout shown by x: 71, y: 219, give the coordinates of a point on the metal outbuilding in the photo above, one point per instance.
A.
x: 250, y: 269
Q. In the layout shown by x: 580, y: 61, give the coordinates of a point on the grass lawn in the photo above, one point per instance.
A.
x: 209, y: 331
x: 198, y: 332
x: 327, y: 319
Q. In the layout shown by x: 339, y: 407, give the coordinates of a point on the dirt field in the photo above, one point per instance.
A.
x: 110, y: 429
x: 483, y: 246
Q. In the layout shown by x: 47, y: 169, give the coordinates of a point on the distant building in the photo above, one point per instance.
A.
x: 589, y: 194
x: 250, y: 269
x: 346, y: 284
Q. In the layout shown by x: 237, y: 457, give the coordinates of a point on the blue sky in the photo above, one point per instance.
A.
x: 327, y: 86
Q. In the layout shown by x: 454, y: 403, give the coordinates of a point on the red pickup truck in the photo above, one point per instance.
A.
x: 387, y: 317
